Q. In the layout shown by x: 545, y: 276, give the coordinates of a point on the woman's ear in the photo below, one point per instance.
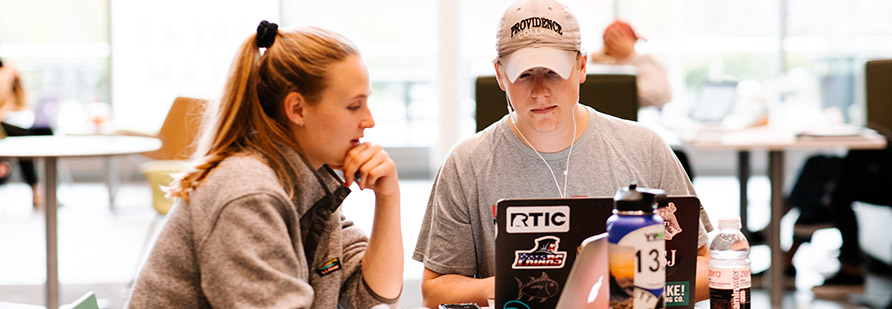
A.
x: 295, y: 106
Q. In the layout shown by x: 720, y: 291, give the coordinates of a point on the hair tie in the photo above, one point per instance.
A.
x: 266, y: 34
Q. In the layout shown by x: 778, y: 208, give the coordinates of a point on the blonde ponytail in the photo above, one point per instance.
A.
x: 250, y: 119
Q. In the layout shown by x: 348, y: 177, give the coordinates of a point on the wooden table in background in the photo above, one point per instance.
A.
x: 776, y: 142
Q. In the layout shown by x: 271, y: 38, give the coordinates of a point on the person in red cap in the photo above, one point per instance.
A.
x: 619, y: 49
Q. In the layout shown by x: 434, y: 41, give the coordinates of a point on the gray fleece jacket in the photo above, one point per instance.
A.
x: 237, y: 243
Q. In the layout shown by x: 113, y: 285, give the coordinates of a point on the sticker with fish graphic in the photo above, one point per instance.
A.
x: 537, y: 289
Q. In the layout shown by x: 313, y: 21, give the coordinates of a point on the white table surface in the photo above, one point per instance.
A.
x: 50, y: 148
x: 64, y: 146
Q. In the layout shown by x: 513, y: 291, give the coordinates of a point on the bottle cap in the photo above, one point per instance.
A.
x: 634, y: 198
x: 730, y: 223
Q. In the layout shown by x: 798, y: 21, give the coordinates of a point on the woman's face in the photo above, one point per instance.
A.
x: 335, y: 124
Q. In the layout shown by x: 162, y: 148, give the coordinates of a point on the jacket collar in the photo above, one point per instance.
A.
x: 307, y: 188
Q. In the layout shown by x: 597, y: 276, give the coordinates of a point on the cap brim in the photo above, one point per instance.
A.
x: 559, y: 61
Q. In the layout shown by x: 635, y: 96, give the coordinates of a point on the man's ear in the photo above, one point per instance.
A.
x: 295, y: 106
x: 582, y: 71
x: 496, y: 65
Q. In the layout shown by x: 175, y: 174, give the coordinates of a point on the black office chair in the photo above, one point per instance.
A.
x: 612, y: 94
x: 877, y: 78
x: 870, y: 172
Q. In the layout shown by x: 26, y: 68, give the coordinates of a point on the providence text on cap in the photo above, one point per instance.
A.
x: 538, y: 33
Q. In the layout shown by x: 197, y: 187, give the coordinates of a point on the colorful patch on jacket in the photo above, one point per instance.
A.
x: 329, y: 267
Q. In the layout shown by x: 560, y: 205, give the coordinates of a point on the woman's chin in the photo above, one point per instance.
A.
x: 336, y: 166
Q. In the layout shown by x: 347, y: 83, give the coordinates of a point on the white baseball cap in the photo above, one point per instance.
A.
x: 538, y: 33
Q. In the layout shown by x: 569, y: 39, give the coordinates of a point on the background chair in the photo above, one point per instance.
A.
x: 877, y: 79
x: 179, y: 129
x: 177, y: 136
x: 872, y: 216
x: 612, y: 94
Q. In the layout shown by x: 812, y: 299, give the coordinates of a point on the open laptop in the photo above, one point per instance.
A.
x: 714, y: 102
x: 588, y: 286
x: 537, y: 241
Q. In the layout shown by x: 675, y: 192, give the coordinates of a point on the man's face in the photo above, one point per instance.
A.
x: 542, y: 99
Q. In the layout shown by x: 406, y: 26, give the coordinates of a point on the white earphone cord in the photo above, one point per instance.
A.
x: 563, y: 193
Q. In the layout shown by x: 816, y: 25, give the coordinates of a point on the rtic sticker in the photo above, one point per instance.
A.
x: 535, y: 219
x: 329, y: 267
x: 537, y: 290
x: 544, y: 254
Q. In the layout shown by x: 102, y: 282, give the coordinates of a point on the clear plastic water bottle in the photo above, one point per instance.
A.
x: 730, y: 280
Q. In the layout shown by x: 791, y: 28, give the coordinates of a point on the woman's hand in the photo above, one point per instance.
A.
x: 375, y: 169
x: 382, y: 264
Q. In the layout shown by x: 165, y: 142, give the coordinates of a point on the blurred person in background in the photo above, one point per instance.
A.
x: 619, y: 49
x: 257, y: 223
x: 650, y: 78
x: 13, y: 98
x: 7, y: 80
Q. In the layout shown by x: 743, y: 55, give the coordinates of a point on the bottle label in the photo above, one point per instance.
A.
x: 730, y: 287
x: 649, y: 256
x: 638, y: 266
x: 729, y: 278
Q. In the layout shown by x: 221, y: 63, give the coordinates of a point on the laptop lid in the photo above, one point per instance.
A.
x: 714, y: 101
x: 537, y: 241
x: 588, y: 286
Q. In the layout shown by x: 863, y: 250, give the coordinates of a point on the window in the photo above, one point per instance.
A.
x: 829, y: 41
x: 168, y: 48
x: 398, y: 41
x: 61, y: 49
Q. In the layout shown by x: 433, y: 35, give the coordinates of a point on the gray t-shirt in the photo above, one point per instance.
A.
x: 458, y: 235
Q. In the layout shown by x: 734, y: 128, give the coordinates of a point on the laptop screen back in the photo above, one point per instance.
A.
x: 537, y: 241
x: 714, y: 101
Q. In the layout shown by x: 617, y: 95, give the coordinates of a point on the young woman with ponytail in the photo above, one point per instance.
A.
x: 257, y: 222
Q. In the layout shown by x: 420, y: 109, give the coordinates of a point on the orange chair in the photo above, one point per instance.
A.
x: 177, y: 135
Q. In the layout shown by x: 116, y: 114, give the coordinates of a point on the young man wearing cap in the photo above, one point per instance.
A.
x: 548, y: 146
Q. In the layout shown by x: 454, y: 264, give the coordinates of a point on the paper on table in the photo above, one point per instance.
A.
x: 834, y: 131
x: 759, y: 136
